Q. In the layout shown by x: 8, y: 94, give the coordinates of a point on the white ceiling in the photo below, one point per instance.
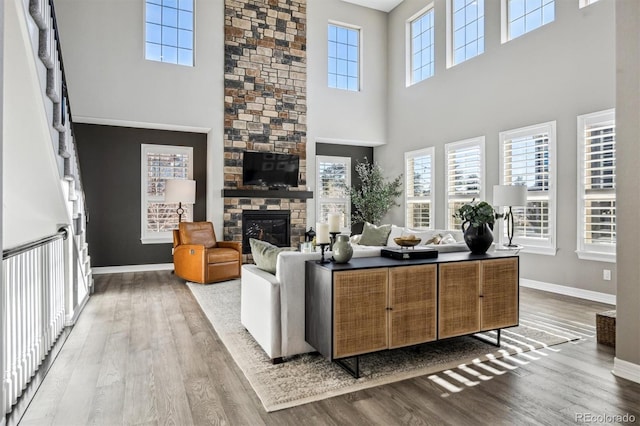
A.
x: 383, y: 5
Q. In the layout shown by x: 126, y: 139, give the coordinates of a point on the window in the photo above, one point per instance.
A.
x: 528, y: 158
x: 585, y: 3
x: 464, y: 163
x: 526, y: 15
x: 161, y: 162
x: 169, y: 31
x: 334, y: 182
x: 421, y: 46
x: 597, y: 186
x: 419, y: 188
x: 344, y: 58
x: 465, y: 26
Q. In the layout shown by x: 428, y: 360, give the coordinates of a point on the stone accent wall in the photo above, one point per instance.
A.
x: 265, y: 99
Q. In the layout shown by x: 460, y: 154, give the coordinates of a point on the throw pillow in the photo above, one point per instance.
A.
x: 373, y: 235
x: 436, y: 239
x: 448, y: 239
x: 265, y: 254
x: 396, y: 231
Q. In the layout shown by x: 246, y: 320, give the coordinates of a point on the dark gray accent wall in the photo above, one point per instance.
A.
x: 110, y: 164
x: 357, y: 153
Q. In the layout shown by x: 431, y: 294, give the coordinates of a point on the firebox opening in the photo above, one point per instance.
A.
x: 272, y: 226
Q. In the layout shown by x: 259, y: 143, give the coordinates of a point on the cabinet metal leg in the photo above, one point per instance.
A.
x: 494, y: 342
x: 354, y: 371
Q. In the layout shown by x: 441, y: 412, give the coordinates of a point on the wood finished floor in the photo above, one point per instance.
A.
x: 143, y: 353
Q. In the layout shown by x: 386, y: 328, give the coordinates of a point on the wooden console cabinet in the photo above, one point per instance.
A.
x: 372, y: 304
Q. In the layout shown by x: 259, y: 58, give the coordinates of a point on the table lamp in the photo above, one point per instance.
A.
x: 180, y: 191
x: 509, y: 196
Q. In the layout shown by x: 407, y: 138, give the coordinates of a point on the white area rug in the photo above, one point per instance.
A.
x: 307, y: 378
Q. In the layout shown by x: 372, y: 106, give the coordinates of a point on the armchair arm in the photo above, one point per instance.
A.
x: 189, y: 261
x: 231, y: 244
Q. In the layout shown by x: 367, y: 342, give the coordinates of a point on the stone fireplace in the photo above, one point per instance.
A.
x: 272, y: 226
x: 265, y: 107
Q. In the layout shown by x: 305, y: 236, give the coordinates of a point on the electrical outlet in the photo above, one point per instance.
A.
x: 606, y: 274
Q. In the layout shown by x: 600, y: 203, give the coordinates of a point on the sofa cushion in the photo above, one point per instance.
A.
x: 265, y: 255
x: 396, y: 231
x: 373, y: 235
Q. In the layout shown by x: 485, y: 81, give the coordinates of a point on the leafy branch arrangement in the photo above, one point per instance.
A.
x: 477, y: 213
x: 376, y: 195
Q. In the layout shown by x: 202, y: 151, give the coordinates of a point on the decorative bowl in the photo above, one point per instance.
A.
x: 407, y: 242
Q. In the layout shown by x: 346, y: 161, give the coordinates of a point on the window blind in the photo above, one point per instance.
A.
x: 418, y: 189
x: 464, y: 177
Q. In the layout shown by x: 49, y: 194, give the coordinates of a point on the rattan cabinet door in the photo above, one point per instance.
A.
x: 412, y: 305
x: 459, y: 298
x: 499, y: 292
x: 359, y: 311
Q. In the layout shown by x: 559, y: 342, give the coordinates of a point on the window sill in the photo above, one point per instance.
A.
x: 163, y: 240
x: 596, y: 256
x: 545, y: 251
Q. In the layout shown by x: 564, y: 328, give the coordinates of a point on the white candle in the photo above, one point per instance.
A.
x: 335, y: 222
x: 322, y: 233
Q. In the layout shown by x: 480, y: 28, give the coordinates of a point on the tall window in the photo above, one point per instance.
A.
x: 344, y: 58
x: 597, y: 186
x: 528, y: 158
x: 422, y: 46
x: 527, y: 15
x: 159, y: 163
x: 419, y: 188
x: 332, y: 189
x: 464, y: 162
x: 169, y: 31
x: 465, y: 23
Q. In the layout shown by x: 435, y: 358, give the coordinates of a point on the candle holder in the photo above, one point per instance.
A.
x: 332, y: 239
x: 322, y: 260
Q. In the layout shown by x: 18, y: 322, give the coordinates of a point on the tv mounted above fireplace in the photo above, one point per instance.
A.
x: 271, y: 169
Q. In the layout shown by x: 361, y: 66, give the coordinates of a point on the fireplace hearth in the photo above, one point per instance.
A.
x: 272, y: 226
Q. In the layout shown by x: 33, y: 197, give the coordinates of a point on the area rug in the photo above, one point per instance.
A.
x: 310, y: 377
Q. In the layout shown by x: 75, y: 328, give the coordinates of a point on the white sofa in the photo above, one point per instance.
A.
x: 272, y: 307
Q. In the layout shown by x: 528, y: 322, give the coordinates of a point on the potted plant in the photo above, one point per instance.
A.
x: 478, y: 217
x: 375, y: 195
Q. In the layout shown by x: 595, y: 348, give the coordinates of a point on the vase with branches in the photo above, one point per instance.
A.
x: 376, y: 194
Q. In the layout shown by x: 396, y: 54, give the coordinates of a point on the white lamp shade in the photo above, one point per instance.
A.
x: 509, y: 195
x: 180, y: 190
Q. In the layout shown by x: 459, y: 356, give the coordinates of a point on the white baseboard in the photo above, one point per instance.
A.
x: 570, y: 291
x: 71, y: 320
x: 132, y: 268
x: 626, y: 370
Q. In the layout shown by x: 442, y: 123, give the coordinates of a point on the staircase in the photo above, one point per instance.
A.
x: 46, y: 282
x: 42, y: 13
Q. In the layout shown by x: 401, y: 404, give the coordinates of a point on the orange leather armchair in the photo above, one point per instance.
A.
x: 198, y: 257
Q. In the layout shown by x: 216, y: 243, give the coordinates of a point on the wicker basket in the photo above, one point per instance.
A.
x: 606, y: 328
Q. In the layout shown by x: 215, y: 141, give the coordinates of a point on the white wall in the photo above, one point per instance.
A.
x: 627, y: 363
x: 110, y: 82
x: 557, y: 72
x: 342, y: 116
x: 32, y: 197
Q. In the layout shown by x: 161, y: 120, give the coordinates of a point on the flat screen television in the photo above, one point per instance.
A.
x: 270, y: 169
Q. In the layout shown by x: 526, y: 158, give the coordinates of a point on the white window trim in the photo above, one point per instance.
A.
x: 533, y: 245
x: 585, y: 3
x: 408, y: 53
x: 360, y: 52
x: 157, y: 237
x: 450, y: 37
x: 320, y: 200
x: 413, y: 154
x: 589, y: 251
x: 477, y: 141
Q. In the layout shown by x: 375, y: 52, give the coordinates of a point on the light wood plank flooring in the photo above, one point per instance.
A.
x: 143, y: 353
